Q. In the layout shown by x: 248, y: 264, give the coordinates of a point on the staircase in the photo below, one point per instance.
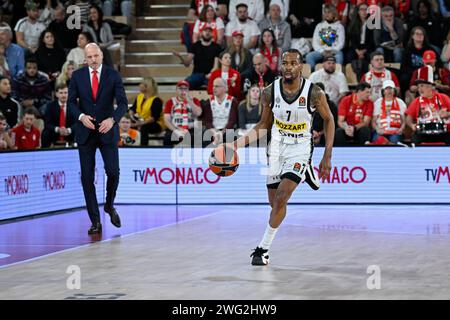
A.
x: 149, y: 54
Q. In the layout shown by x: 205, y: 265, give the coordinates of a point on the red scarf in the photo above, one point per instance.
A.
x: 394, y: 113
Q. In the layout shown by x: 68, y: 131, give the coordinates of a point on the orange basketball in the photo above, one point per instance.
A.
x: 223, y: 161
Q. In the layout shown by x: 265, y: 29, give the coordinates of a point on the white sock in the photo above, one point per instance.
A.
x: 268, y: 237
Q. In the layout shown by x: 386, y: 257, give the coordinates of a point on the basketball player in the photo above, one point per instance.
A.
x: 289, y: 104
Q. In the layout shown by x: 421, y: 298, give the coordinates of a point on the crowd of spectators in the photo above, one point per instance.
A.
x: 397, y: 51
x: 39, y: 51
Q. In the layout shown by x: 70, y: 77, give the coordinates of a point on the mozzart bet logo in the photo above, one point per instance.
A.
x: 175, y: 175
x: 54, y: 180
x: 17, y: 184
x: 438, y: 175
x: 344, y: 175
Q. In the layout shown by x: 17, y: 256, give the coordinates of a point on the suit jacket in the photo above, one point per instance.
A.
x: 81, y: 101
x: 52, y: 117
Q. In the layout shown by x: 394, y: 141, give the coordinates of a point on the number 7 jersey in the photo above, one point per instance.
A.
x: 292, y: 122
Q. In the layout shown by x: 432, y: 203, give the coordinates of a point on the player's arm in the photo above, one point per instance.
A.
x: 261, y: 128
x: 319, y: 99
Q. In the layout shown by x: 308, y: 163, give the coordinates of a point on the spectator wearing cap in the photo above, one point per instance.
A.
x: 194, y: 12
x: 260, y: 74
x: 354, y: 115
x: 29, y: 29
x: 146, y: 112
x: 377, y: 74
x: 268, y: 47
x: 280, y: 28
x: 255, y: 9
x: 227, y: 73
x: 14, y: 53
x: 208, y: 17
x: 335, y: 83
x: 388, y: 114
x: 26, y: 136
x: 241, y: 57
x: 242, y: 23
x: 428, y: 114
x: 180, y: 113
x: 9, y: 107
x: 439, y: 76
x: 205, y: 56
x: 328, y: 38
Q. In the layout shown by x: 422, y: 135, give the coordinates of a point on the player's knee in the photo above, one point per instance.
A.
x: 280, y: 199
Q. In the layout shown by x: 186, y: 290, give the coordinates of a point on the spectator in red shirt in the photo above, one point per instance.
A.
x: 227, y: 73
x: 354, y: 116
x: 25, y: 135
x: 179, y: 115
x: 439, y: 76
x: 428, y: 114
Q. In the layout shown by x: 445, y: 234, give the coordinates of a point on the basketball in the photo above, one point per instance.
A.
x: 223, y: 161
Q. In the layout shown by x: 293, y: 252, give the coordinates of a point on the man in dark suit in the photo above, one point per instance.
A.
x: 95, y: 88
x: 59, y: 126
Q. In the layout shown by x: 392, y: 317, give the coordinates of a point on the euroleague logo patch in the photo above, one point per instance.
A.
x: 297, y: 167
x: 302, y: 101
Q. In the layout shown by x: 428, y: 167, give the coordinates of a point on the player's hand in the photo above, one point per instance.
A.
x: 325, y: 167
x: 106, y: 125
x: 87, y: 122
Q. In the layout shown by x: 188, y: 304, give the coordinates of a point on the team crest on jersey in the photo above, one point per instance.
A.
x: 297, y: 167
x: 302, y: 102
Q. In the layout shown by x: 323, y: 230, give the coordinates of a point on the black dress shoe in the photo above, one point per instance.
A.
x: 115, y: 219
x: 96, y: 228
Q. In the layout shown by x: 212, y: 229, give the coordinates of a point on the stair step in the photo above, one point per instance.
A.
x: 160, y: 22
x: 157, y: 33
x: 161, y: 80
x: 155, y: 46
x: 151, y: 58
x: 153, y: 70
x: 169, y: 9
x: 171, y: 2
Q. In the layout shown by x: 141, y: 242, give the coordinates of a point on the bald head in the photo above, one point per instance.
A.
x: 259, y: 63
x: 94, y: 55
x: 220, y: 87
